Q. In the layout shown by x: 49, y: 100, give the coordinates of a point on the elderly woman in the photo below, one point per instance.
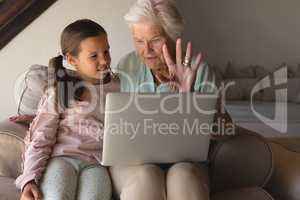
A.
x: 157, y: 65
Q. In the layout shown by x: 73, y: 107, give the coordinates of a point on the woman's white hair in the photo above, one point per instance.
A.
x: 162, y: 12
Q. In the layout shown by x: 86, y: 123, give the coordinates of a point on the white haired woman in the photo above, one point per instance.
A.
x: 157, y: 65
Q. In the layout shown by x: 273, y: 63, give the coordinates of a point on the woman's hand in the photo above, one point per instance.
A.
x: 31, y: 192
x: 182, y: 74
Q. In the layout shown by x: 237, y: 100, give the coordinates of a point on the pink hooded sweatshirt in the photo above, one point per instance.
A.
x: 76, y: 132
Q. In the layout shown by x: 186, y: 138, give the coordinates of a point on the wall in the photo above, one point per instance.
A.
x: 264, y: 32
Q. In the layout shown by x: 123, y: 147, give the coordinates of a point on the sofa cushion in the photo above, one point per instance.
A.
x: 32, y: 88
x: 241, y: 89
x: 8, y: 190
x: 246, y: 78
x: 260, y: 72
x: 293, y: 91
x: 234, y: 72
x: 291, y: 70
x: 35, y: 81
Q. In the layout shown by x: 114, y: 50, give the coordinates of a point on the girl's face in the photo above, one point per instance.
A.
x: 93, y: 60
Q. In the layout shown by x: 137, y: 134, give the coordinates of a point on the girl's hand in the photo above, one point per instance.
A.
x: 182, y: 73
x: 31, y: 192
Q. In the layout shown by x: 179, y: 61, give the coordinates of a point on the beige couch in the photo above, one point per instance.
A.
x: 245, y: 167
x: 284, y: 183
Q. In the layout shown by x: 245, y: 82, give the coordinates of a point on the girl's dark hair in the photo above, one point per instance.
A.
x: 70, y: 41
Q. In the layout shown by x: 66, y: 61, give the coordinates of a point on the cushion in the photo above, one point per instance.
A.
x: 260, y: 72
x: 34, y: 84
x: 241, y: 90
x: 292, y: 83
x: 234, y: 72
x: 293, y: 91
x: 35, y: 81
x: 291, y: 73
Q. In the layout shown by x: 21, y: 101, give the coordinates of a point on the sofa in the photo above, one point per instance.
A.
x: 281, y: 95
x: 244, y: 167
x: 240, y: 105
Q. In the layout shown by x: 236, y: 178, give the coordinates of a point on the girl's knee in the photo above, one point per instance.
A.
x: 94, y: 183
x: 95, y: 169
x: 60, y: 166
x: 96, y: 175
x: 59, y: 180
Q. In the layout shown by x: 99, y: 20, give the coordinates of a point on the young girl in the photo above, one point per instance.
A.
x: 64, y: 141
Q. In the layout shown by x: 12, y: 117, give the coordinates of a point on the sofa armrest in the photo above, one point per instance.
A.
x: 11, y: 148
x: 285, y: 181
x: 244, y: 160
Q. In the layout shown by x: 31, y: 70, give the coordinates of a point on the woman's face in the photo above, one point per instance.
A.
x: 148, y: 40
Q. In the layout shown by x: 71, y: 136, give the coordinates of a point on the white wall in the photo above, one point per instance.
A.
x: 40, y: 40
x: 264, y: 32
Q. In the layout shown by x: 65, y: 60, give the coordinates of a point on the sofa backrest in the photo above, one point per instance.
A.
x: 241, y: 81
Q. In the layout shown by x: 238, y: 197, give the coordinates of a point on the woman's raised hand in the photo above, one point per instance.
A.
x: 182, y: 73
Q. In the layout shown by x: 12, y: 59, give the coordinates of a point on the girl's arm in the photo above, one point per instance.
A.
x: 41, y: 138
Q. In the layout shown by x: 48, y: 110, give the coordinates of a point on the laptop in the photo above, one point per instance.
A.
x: 157, y: 127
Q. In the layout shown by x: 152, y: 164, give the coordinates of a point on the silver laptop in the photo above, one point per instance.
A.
x: 157, y: 128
